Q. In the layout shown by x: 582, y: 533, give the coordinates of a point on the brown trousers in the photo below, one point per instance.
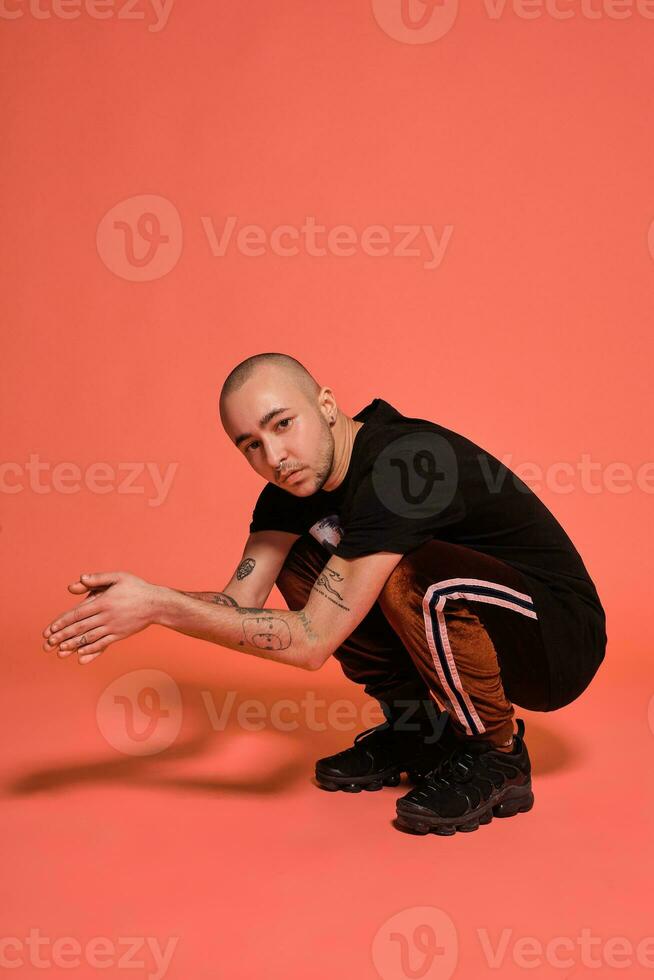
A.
x: 452, y: 629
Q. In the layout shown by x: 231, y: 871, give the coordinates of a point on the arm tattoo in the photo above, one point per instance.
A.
x: 260, y: 627
x: 266, y: 632
x: 245, y: 568
x: 220, y: 598
x: 306, y: 624
x: 324, y: 585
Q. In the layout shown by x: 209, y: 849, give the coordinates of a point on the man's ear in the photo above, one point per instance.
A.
x: 328, y: 405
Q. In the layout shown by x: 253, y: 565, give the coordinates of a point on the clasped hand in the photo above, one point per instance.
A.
x: 117, y: 606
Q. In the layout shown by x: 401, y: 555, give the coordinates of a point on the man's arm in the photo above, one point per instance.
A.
x: 343, y: 593
x: 250, y: 585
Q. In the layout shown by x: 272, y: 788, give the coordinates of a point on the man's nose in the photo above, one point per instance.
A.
x: 275, y: 456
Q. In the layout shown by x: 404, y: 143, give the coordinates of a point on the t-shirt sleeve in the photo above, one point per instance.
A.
x: 374, y: 524
x: 275, y: 511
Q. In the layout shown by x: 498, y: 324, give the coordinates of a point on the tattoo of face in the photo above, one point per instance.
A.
x: 245, y: 568
x: 266, y: 633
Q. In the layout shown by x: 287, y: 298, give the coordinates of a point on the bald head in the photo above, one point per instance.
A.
x: 283, y: 366
x: 281, y: 420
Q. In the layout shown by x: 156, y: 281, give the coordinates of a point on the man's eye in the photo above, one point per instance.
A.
x: 253, y: 445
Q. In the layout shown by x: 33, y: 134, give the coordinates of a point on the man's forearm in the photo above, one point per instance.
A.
x: 220, y: 598
x: 274, y: 634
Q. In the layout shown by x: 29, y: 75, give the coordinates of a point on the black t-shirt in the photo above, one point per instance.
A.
x: 411, y: 480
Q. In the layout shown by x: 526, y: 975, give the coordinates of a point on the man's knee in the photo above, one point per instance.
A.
x: 413, y: 574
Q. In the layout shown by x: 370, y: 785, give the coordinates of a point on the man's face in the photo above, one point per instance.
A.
x: 294, y: 448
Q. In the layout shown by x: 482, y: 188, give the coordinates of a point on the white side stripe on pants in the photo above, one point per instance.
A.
x: 433, y: 604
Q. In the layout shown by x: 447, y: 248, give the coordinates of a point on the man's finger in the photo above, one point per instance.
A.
x: 76, y: 629
x: 87, y: 654
x: 76, y: 615
x: 83, y: 642
x: 77, y: 588
x: 95, y: 579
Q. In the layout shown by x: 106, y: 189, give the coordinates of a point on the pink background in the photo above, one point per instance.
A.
x: 531, y: 138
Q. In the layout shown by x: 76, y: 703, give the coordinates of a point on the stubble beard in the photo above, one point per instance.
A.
x: 325, y: 459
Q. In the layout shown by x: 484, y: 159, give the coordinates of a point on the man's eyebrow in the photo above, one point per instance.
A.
x: 268, y: 417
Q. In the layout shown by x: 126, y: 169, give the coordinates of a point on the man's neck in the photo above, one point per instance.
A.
x: 344, y: 431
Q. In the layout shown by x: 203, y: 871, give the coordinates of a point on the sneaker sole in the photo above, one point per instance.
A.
x: 354, y: 784
x: 513, y: 800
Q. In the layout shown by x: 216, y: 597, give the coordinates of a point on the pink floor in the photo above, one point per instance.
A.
x: 524, y: 144
x: 220, y: 858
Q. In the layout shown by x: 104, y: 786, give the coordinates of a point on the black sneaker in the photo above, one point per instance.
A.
x: 469, y: 787
x: 381, y: 754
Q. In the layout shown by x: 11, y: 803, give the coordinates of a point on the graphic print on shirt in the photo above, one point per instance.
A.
x: 327, y: 531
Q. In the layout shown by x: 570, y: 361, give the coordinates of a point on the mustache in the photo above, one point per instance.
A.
x: 284, y: 472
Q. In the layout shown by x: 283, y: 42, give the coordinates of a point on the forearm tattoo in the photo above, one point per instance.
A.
x: 261, y: 628
x: 325, y: 586
x: 220, y: 598
x: 266, y: 632
x: 244, y: 569
x: 306, y: 625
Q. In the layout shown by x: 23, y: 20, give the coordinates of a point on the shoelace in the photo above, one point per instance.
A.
x: 454, y: 767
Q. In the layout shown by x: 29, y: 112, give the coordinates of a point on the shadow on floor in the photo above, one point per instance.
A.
x: 283, y: 757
